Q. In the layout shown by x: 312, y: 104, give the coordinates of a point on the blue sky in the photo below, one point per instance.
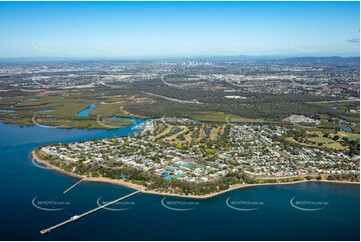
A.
x: 174, y: 29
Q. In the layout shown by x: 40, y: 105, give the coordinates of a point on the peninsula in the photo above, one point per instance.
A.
x: 184, y: 157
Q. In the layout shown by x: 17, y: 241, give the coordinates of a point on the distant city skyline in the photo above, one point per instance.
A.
x: 178, y: 29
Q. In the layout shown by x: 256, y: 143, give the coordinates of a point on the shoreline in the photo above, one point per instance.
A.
x: 31, y: 123
x: 143, y: 189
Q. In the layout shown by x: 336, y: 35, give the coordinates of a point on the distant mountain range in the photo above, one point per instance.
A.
x: 309, y: 59
x: 329, y: 59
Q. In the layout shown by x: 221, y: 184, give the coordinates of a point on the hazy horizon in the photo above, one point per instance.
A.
x: 173, y: 58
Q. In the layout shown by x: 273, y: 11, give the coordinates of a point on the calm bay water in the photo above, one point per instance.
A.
x: 144, y: 217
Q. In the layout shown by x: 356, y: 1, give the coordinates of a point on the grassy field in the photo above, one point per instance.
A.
x: 221, y: 117
x: 215, y: 132
x: 174, y: 137
x: 350, y: 136
x: 325, y: 138
x: 329, y: 144
x: 321, y: 140
x: 190, y: 134
x: 201, y: 134
x: 165, y: 132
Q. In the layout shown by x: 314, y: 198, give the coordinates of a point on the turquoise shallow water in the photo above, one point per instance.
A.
x: 146, y: 217
x: 85, y: 112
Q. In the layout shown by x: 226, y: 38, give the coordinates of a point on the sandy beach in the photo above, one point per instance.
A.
x: 144, y: 189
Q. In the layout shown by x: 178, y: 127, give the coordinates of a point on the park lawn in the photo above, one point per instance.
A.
x: 355, y: 137
x: 320, y: 140
x: 214, y: 132
x: 160, y: 128
x: 188, y: 137
x: 334, y: 145
x: 192, y: 134
x: 318, y: 132
x: 350, y: 136
x: 174, y: 136
x: 202, y: 134
x: 164, y: 132
x: 221, y: 117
